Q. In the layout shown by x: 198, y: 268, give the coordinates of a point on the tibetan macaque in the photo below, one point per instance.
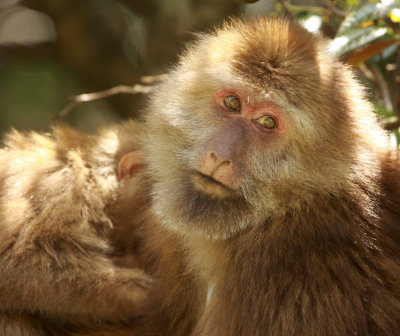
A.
x: 60, y: 263
x: 272, y: 179
x: 273, y: 206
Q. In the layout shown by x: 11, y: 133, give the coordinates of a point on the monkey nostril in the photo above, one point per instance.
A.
x: 217, y: 161
x: 216, y: 167
x: 225, y: 164
x: 224, y: 172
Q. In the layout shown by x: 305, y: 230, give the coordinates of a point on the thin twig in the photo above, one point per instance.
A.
x: 334, y: 9
x: 314, y: 9
x: 153, y: 79
x: 88, y: 97
x: 286, y: 9
x: 391, y: 123
x: 246, y: 1
x: 395, y: 86
x: 366, y: 73
x: 383, y: 87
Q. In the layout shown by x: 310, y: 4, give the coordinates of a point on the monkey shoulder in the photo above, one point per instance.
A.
x: 52, y: 186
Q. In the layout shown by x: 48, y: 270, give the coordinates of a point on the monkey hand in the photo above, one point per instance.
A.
x: 131, y: 287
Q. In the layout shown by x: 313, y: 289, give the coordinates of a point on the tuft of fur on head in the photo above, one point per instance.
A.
x: 332, y: 142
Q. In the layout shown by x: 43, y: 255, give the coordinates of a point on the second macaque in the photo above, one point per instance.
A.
x: 63, y: 263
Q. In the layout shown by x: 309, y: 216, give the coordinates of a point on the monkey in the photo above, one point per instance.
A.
x: 275, y: 192
x: 63, y: 264
x: 271, y: 202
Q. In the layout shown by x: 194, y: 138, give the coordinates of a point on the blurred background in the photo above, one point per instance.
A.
x: 51, y: 50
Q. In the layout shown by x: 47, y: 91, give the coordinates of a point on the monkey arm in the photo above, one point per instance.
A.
x: 70, y: 282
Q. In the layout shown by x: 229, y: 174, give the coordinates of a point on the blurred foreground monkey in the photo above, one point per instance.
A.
x: 58, y: 228
x: 275, y: 194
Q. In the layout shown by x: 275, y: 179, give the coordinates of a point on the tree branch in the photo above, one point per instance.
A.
x: 395, y: 86
x: 151, y: 80
x: 334, y: 9
x: 88, y: 97
x: 383, y: 88
x: 286, y: 9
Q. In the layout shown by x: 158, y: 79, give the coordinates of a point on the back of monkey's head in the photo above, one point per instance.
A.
x: 325, y: 140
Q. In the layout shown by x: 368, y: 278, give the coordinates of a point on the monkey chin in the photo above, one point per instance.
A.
x: 192, y: 206
x: 210, y: 186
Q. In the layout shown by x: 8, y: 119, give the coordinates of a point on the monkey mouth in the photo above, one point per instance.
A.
x: 210, y: 186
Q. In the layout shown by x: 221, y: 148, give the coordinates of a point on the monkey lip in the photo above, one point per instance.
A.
x: 211, y: 186
x: 211, y: 179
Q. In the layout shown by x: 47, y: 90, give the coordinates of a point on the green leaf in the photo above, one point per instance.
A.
x: 367, y: 12
x: 381, y: 110
x: 355, y: 38
x: 397, y: 135
x: 306, y: 9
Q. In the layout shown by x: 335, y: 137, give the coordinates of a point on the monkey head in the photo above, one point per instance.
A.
x: 257, y: 118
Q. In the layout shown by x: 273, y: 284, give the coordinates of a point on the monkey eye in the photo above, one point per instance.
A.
x: 267, y: 122
x: 232, y: 103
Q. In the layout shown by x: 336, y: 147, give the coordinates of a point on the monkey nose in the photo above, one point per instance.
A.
x: 219, y: 169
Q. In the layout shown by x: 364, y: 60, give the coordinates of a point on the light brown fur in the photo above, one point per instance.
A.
x: 308, y: 243
x: 306, y: 239
x: 62, y: 264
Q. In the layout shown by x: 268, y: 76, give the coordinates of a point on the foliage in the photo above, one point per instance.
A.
x: 367, y: 37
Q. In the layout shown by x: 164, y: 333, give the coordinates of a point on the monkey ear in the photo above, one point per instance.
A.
x: 129, y: 165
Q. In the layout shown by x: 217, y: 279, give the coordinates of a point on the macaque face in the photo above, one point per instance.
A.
x: 218, y: 169
x: 236, y: 133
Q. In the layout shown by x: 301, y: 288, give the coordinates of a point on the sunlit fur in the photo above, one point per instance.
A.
x: 59, y: 222
x: 333, y: 141
x: 309, y: 244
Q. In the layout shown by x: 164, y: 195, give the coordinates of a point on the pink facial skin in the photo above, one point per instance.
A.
x: 252, y: 108
x: 220, y: 159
